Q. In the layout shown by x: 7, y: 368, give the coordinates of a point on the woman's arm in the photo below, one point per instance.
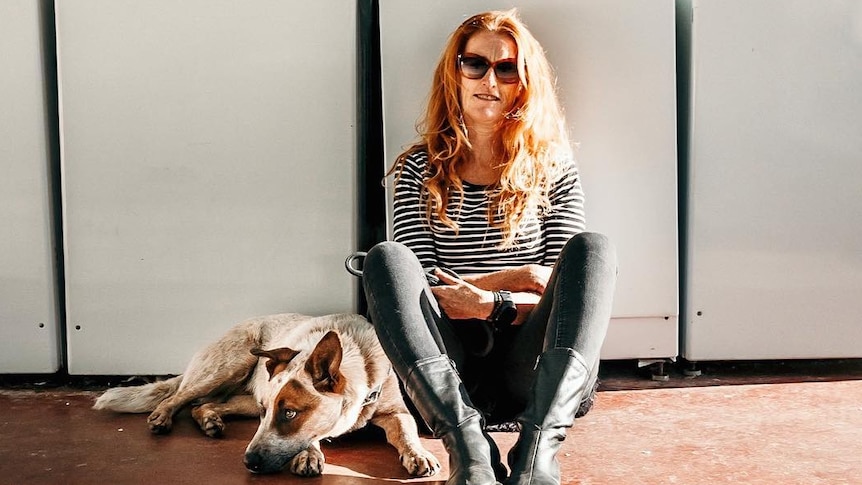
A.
x: 472, y: 296
x: 530, y: 278
x: 566, y: 217
x: 462, y: 300
x: 409, y: 226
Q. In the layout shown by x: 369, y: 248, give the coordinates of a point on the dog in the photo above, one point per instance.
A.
x: 308, y: 378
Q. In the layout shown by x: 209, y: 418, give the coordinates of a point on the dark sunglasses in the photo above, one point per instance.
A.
x: 475, y: 67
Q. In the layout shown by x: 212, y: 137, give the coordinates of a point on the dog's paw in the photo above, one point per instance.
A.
x: 420, y: 463
x: 160, y: 422
x: 308, y: 463
x: 213, y: 426
x: 209, y: 421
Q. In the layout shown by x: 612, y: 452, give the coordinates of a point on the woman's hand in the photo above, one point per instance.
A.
x: 462, y: 300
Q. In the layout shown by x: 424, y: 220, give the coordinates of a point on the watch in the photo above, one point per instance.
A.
x: 505, y: 311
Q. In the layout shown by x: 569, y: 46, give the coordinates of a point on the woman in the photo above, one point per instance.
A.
x: 491, y: 194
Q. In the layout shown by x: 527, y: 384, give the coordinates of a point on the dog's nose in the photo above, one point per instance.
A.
x: 253, y: 461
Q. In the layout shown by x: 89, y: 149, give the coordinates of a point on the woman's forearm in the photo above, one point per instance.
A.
x: 530, y: 278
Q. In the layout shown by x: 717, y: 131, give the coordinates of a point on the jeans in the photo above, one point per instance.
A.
x: 573, y: 312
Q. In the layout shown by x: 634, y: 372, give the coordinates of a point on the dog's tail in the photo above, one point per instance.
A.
x: 138, y: 399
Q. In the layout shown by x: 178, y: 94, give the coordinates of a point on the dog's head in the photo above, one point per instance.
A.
x: 301, y: 404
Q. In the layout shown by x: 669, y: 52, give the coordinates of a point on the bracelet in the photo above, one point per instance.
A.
x: 498, y: 302
x: 505, y: 311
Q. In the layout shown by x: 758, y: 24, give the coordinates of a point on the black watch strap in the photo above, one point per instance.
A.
x: 505, y: 311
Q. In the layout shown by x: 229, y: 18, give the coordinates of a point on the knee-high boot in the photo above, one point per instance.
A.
x: 563, y: 380
x: 436, y: 390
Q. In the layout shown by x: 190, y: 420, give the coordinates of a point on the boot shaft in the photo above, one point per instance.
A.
x: 562, y: 381
x: 436, y: 390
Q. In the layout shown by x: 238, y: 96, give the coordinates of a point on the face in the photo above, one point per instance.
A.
x: 292, y: 418
x: 485, y: 101
x: 301, y: 403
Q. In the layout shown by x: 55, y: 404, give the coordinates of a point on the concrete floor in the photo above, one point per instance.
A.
x: 778, y: 423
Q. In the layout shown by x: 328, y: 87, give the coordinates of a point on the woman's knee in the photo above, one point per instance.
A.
x: 586, y: 245
x: 391, y: 267
x: 387, y: 254
x: 386, y: 250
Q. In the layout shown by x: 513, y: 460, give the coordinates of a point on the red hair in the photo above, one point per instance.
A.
x: 533, y: 132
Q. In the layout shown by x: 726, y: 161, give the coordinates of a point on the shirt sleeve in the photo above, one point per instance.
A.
x: 566, y: 217
x: 409, y: 225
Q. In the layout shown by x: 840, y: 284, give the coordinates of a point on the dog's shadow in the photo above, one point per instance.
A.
x: 360, y: 457
x: 366, y: 457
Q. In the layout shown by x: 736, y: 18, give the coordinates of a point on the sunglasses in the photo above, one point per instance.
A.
x: 475, y: 67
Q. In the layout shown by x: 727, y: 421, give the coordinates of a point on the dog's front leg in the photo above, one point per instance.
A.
x: 308, y: 462
x: 209, y: 415
x: 401, y: 432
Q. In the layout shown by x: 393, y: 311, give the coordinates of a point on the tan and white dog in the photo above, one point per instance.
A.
x: 308, y: 378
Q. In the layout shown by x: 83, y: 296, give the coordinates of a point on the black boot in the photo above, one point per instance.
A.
x: 436, y: 390
x: 589, y: 396
x: 563, y: 380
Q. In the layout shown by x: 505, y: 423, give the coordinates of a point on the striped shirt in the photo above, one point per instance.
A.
x: 474, y: 248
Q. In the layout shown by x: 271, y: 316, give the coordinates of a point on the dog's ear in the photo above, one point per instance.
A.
x: 324, y: 364
x: 277, y: 358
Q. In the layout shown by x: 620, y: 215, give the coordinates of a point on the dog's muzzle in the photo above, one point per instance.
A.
x: 257, y: 463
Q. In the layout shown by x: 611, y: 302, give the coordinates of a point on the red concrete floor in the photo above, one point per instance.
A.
x: 797, y: 423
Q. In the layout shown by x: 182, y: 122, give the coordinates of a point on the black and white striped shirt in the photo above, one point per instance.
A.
x: 474, y: 249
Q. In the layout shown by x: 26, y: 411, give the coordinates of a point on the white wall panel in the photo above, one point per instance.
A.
x: 29, y: 323
x: 209, y: 171
x: 775, y: 191
x: 616, y: 66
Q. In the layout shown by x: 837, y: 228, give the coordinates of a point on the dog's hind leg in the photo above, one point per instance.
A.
x: 209, y: 415
x: 223, y: 366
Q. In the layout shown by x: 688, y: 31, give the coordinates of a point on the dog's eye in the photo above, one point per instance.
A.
x: 289, y: 414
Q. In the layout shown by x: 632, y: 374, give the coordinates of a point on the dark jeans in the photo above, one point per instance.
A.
x: 572, y: 313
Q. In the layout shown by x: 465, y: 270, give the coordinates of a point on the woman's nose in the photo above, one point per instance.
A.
x: 491, y: 77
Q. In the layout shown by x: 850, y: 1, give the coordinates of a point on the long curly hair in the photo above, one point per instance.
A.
x: 532, y: 134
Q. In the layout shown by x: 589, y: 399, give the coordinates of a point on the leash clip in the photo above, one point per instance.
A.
x: 373, y: 395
